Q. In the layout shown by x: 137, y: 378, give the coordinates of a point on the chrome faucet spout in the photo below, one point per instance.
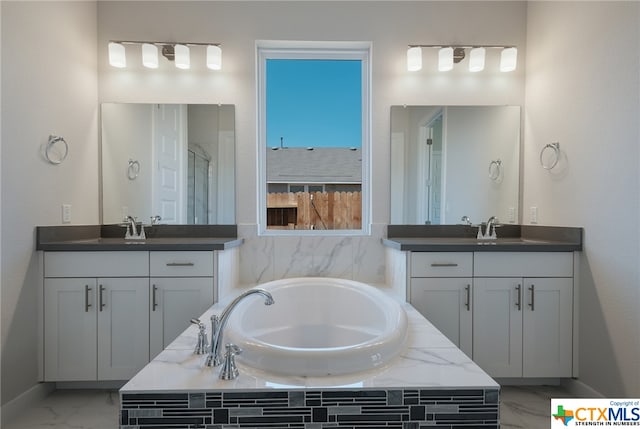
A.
x: 132, y: 224
x: 490, y: 231
x: 214, y: 358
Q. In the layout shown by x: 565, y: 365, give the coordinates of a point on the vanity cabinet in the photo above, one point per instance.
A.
x: 512, y: 312
x: 441, y: 289
x: 523, y: 324
x: 106, y: 314
x: 181, y: 289
x: 95, y: 328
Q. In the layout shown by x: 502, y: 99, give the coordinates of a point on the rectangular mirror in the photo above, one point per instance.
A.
x: 176, y: 161
x: 453, y: 161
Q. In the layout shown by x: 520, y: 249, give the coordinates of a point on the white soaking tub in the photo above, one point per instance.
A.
x: 318, y: 326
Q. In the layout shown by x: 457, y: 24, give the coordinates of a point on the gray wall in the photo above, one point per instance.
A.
x: 49, y: 86
x: 583, y: 91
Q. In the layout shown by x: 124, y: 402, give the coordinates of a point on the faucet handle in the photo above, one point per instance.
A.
x: 229, y: 369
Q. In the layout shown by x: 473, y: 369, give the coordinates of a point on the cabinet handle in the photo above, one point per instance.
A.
x: 533, y: 297
x: 154, y: 303
x: 467, y: 302
x: 100, y: 301
x: 444, y: 264
x: 519, y: 295
x: 180, y: 264
x: 86, y: 298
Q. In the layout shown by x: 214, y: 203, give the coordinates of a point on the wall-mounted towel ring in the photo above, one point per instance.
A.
x: 495, y: 169
x: 554, y: 156
x: 56, y: 150
x: 133, y: 169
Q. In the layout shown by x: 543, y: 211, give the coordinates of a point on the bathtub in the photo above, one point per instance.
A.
x: 318, y: 327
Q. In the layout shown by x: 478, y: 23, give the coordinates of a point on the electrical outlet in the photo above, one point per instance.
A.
x: 533, y: 215
x: 512, y: 215
x: 66, y: 213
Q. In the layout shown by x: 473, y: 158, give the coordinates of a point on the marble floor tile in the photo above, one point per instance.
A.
x: 521, y: 407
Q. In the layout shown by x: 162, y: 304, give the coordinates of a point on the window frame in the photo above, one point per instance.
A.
x: 266, y: 50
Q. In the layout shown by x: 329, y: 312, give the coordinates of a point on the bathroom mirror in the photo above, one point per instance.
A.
x: 453, y: 161
x: 176, y: 161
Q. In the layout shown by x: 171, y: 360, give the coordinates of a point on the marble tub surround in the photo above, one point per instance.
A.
x: 429, y: 383
x: 462, y: 238
x: 267, y: 257
x: 159, y: 237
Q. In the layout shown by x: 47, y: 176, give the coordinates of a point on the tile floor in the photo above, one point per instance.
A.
x: 520, y: 407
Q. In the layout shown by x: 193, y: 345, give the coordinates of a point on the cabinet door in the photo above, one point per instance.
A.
x: 174, y: 302
x: 547, y: 327
x: 446, y: 302
x: 70, y: 329
x: 497, y: 325
x: 123, y: 327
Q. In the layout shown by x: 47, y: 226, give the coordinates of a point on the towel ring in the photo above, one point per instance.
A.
x: 133, y: 169
x: 555, y: 147
x: 56, y: 150
x: 495, y: 169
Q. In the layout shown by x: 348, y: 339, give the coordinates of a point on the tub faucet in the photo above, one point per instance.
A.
x: 218, y: 323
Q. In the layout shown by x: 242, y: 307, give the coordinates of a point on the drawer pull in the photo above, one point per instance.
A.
x: 154, y: 303
x: 86, y: 298
x: 100, y: 299
x: 519, y: 295
x: 533, y: 297
x: 180, y: 264
x: 467, y: 302
x: 444, y: 264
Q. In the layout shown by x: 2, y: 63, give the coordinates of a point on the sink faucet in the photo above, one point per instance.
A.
x: 490, y: 229
x: 218, y: 324
x: 132, y: 230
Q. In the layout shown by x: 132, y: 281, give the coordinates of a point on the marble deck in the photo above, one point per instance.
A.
x: 520, y: 408
x: 430, y: 383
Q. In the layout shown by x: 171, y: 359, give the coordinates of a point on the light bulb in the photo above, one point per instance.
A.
x: 414, y: 58
x: 476, y: 59
x: 150, y: 55
x: 508, y: 59
x: 214, y: 57
x: 445, y: 59
x: 182, y: 56
x: 117, y: 57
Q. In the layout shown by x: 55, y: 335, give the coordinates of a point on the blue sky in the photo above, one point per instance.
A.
x: 315, y: 103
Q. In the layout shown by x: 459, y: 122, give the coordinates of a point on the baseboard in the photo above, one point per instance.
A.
x: 90, y: 385
x: 17, y: 406
x: 528, y: 381
x: 580, y: 389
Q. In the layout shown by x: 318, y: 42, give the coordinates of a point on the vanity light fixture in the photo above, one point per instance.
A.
x: 449, y: 55
x: 178, y: 52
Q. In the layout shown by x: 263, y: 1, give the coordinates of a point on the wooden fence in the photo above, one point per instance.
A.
x: 322, y: 210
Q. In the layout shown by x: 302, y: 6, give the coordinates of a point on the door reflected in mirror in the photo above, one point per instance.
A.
x: 453, y: 161
x: 176, y: 161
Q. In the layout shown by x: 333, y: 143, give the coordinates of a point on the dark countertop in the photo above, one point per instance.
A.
x: 83, y: 238
x: 461, y: 238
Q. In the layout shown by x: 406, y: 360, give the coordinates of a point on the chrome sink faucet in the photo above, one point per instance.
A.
x: 132, y: 230
x: 218, y: 324
x: 489, y: 231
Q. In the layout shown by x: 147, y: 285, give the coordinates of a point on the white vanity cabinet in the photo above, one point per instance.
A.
x: 523, y: 319
x: 95, y: 315
x: 181, y: 288
x: 441, y: 289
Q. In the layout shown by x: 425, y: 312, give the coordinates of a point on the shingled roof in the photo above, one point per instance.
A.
x: 314, y: 165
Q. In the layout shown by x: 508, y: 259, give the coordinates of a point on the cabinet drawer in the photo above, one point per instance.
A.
x: 441, y: 264
x: 181, y: 264
x: 96, y: 264
x: 523, y: 264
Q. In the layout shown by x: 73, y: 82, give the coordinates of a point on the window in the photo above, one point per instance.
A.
x: 314, y: 137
